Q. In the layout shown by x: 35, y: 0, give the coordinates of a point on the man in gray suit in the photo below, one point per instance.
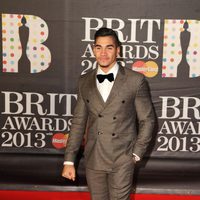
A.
x: 115, y: 107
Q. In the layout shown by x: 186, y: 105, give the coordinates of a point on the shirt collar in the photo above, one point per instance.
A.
x: 113, y: 70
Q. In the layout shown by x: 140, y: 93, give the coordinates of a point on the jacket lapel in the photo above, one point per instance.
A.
x: 119, y: 81
x: 94, y: 92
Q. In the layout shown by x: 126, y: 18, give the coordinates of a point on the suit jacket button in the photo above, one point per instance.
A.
x: 123, y: 101
x: 88, y: 100
x: 100, y: 115
x: 114, y: 118
x: 113, y: 134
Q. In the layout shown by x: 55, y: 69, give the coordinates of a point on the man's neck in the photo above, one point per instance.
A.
x: 107, y: 69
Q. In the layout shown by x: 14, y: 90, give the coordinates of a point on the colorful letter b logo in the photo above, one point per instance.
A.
x: 22, y: 39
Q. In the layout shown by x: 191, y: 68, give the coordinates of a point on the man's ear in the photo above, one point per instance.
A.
x: 118, y: 51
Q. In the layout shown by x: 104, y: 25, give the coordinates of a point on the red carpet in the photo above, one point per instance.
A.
x: 27, y: 195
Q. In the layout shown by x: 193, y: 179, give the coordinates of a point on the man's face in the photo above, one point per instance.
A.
x: 106, y: 51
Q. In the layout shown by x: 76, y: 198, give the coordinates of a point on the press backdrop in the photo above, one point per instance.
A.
x: 46, y: 45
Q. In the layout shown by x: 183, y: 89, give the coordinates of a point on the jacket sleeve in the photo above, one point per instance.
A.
x: 145, y: 117
x: 78, y: 126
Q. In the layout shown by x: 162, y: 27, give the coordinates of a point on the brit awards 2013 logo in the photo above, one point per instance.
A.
x: 23, y: 50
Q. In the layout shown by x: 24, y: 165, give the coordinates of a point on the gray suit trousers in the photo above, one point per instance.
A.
x: 111, y: 185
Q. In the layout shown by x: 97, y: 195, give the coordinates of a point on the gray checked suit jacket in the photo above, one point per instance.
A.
x: 112, y: 130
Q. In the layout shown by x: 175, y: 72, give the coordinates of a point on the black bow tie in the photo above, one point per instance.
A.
x: 102, y: 77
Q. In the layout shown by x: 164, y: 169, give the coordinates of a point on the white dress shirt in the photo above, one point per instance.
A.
x: 106, y: 86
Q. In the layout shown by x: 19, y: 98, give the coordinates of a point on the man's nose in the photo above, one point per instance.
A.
x: 103, y: 52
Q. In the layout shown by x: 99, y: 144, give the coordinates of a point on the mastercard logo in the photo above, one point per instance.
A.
x: 149, y: 68
x: 59, y: 140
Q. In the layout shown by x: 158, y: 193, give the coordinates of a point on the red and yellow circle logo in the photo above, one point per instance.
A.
x: 149, y: 68
x: 59, y: 140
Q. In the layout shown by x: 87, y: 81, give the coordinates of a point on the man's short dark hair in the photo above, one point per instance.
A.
x: 107, y: 32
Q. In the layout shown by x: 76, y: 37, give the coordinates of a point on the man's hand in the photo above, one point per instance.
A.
x: 69, y: 172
